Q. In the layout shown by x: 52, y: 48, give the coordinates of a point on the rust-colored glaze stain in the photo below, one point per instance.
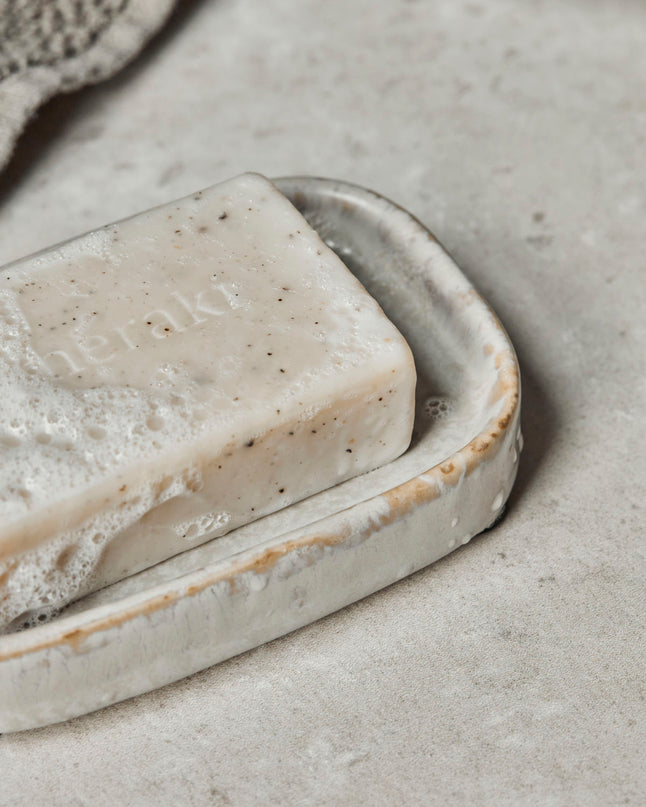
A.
x: 450, y: 472
x: 404, y: 498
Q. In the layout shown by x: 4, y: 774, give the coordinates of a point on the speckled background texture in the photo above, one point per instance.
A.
x: 510, y: 673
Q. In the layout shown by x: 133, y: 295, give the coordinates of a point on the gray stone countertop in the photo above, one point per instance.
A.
x: 510, y: 673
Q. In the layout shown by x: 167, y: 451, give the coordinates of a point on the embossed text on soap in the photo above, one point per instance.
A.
x: 90, y: 327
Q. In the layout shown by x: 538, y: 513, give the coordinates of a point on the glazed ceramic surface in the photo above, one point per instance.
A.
x: 295, y: 566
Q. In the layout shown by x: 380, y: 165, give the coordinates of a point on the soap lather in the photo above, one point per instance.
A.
x: 176, y: 375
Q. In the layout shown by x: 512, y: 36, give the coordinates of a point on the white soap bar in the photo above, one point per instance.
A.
x: 173, y: 376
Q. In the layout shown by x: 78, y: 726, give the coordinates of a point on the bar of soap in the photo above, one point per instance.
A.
x: 173, y: 376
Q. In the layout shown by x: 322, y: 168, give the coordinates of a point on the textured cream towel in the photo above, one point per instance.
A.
x: 51, y: 46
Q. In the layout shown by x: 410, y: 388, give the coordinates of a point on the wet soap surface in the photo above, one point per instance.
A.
x: 177, y: 374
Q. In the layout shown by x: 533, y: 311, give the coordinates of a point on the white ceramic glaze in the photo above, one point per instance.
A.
x: 297, y: 565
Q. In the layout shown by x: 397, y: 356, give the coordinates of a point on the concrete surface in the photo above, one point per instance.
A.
x: 510, y: 673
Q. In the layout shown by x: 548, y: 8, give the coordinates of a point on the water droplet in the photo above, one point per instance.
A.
x: 455, y: 521
x: 497, y: 502
x: 466, y: 539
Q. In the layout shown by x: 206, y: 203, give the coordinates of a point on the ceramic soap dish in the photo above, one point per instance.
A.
x: 290, y: 568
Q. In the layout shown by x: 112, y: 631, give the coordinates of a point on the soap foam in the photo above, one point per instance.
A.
x: 42, y: 580
x: 437, y: 408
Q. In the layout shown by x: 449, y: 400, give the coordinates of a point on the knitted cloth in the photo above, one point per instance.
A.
x: 51, y: 46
